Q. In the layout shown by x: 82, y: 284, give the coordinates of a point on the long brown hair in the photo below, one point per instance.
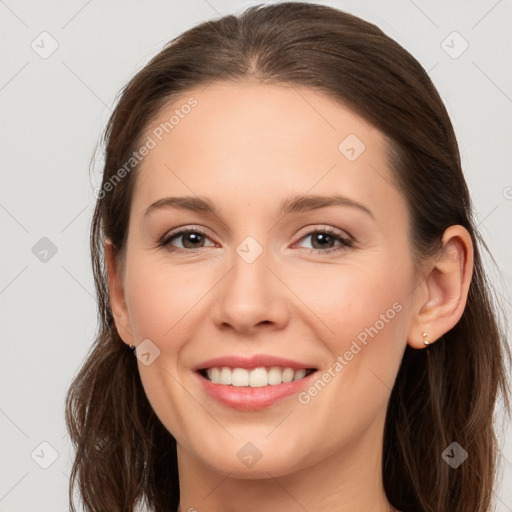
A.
x: 445, y: 393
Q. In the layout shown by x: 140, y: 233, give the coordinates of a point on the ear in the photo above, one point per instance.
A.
x: 444, y: 289
x: 116, y: 295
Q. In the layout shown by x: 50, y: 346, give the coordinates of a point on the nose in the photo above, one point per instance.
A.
x: 251, y: 296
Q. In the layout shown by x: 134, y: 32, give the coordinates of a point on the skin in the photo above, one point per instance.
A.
x: 246, y: 147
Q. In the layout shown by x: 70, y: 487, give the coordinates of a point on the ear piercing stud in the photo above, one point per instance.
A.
x: 425, y: 341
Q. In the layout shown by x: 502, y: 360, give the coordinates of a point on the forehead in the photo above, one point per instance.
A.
x: 253, y: 140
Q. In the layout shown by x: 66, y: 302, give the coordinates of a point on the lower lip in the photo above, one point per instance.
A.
x: 248, y: 398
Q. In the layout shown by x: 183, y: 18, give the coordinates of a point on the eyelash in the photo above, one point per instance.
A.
x: 345, y: 242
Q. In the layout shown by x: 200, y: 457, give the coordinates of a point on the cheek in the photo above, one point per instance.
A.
x: 159, y: 298
x: 349, y: 300
x: 364, y: 319
x: 361, y: 316
x: 161, y: 301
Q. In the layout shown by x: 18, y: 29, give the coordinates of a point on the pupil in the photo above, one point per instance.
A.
x: 322, y: 236
x: 192, y: 235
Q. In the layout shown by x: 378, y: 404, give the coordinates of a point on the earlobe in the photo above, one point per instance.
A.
x: 116, y: 295
x: 445, y: 286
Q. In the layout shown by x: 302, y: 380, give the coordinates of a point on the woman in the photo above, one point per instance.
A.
x: 356, y: 373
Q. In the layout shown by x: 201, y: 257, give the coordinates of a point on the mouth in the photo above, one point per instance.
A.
x: 254, y: 377
x: 254, y: 382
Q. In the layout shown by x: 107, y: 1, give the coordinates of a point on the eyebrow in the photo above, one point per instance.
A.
x: 290, y: 205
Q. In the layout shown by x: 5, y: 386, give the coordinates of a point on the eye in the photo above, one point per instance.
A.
x: 325, y: 238
x: 191, y: 240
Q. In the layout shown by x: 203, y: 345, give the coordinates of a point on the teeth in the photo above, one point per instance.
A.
x: 213, y: 374
x: 299, y: 374
x: 275, y: 376
x: 258, y: 377
x: 239, y: 377
x: 288, y: 374
x: 225, y: 376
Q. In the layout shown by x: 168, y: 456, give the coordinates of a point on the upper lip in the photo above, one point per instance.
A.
x: 255, y: 361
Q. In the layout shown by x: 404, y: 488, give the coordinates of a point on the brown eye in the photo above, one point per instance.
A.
x: 327, y: 240
x: 191, y: 239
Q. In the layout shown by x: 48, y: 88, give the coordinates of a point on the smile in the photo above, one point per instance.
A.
x: 253, y: 382
x: 256, y: 377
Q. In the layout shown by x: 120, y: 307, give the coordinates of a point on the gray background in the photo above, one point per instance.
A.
x: 53, y: 110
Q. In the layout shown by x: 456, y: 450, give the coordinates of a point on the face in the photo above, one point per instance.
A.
x: 269, y: 283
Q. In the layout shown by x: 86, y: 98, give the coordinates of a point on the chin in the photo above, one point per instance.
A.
x: 260, y: 459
